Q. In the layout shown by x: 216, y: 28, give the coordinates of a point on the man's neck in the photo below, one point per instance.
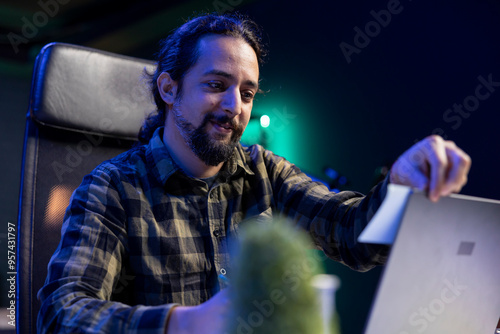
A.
x: 184, y: 156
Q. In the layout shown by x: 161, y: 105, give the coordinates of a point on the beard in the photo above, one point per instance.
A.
x: 212, y: 151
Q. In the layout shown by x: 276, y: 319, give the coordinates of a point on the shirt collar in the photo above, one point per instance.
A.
x: 163, y: 166
x: 161, y: 163
x: 237, y: 161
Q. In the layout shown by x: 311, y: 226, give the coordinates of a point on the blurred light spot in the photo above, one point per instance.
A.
x: 331, y: 173
x: 265, y: 121
x: 57, y: 202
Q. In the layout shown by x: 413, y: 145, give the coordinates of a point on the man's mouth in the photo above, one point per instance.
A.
x: 223, y: 127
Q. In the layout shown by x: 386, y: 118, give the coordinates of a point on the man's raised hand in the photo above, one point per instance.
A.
x: 434, y: 165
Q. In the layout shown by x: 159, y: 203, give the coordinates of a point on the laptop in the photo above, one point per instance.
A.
x: 443, y: 272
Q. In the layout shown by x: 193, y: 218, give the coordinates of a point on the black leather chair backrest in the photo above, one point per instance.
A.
x: 86, y: 106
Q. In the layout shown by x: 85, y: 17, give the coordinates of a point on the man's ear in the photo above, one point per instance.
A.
x: 167, y: 88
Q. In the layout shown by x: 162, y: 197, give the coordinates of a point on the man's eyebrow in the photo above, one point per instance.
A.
x: 251, y: 83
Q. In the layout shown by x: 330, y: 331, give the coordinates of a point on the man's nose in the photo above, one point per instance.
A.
x: 231, y: 102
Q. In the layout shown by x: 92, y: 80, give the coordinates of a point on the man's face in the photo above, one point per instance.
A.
x: 217, y: 98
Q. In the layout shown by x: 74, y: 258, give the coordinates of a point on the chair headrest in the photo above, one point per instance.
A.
x: 83, y: 89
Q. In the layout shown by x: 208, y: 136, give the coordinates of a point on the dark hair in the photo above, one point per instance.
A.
x: 178, y: 53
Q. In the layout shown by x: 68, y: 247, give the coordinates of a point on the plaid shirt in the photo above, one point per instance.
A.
x: 139, y: 236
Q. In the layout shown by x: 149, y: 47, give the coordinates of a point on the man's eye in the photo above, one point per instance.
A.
x: 215, y: 85
x: 248, y: 96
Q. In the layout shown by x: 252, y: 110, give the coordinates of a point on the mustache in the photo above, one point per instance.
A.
x: 222, y: 119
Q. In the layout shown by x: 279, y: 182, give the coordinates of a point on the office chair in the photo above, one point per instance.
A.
x: 86, y: 106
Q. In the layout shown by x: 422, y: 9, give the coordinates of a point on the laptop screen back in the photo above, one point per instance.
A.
x: 443, y: 273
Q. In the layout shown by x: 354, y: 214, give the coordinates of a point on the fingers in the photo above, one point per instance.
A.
x: 459, y: 165
x: 411, y: 168
x: 449, y: 167
x: 219, y: 303
x: 438, y: 164
x: 433, y: 164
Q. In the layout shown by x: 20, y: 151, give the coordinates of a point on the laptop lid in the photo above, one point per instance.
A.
x: 443, y: 273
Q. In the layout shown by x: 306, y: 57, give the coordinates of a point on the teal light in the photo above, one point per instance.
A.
x: 265, y: 121
x: 252, y: 133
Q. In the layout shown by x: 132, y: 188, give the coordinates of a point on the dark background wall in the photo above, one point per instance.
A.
x: 354, y: 116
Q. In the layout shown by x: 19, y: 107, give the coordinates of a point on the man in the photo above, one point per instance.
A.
x: 145, y: 236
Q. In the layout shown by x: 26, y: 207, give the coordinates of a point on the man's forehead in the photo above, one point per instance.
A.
x: 219, y: 53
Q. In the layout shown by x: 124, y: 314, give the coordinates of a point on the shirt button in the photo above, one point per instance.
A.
x: 223, y: 271
x: 217, y: 233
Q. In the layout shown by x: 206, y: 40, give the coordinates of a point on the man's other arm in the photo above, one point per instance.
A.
x: 86, y: 268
